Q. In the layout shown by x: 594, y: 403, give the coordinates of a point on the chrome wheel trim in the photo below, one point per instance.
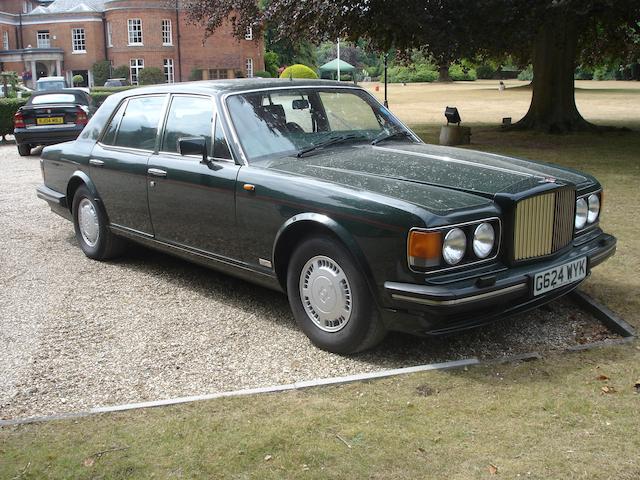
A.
x: 325, y: 293
x: 88, y: 222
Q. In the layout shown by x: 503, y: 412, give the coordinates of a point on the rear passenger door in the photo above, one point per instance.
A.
x: 192, y: 204
x: 118, y: 163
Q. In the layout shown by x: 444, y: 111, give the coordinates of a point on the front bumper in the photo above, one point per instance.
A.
x: 461, y: 304
x: 46, y: 135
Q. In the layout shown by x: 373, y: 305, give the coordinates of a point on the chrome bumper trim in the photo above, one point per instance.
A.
x: 461, y: 301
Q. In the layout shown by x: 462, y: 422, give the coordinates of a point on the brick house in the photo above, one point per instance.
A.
x: 67, y: 37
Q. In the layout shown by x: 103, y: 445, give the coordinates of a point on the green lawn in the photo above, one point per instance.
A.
x: 547, y: 419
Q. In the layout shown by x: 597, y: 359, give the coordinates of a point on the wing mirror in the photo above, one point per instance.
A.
x: 194, y: 146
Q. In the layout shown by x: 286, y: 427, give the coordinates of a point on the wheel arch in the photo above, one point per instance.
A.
x: 304, y: 225
x: 77, y: 179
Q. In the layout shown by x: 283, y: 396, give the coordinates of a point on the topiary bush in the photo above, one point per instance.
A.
x: 298, y: 71
x: 262, y: 74
x: 101, y: 71
x: 77, y: 80
x: 151, y: 76
x: 8, y: 108
x: 120, y: 72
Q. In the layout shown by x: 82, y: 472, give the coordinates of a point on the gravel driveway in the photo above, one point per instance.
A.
x: 76, y: 333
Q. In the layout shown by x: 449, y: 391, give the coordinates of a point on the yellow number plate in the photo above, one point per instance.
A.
x: 50, y: 121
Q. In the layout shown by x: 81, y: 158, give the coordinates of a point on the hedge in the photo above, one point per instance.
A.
x: 8, y: 108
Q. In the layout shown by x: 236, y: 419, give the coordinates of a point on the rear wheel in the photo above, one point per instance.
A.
x: 330, y: 299
x: 92, y: 232
x: 24, y: 149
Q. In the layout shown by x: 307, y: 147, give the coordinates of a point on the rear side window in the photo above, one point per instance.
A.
x: 139, y: 125
x: 110, y: 135
x: 188, y: 117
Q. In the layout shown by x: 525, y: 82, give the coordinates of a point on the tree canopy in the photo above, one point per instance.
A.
x: 553, y: 35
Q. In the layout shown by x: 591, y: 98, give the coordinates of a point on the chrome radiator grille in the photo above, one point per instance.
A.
x: 543, y: 224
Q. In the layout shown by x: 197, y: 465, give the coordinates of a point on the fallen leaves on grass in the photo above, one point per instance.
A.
x: 602, y: 378
x: 493, y: 470
x: 268, y: 458
x: 608, y: 389
x: 91, y: 459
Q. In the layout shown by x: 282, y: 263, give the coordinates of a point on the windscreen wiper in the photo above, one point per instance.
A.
x: 329, y: 141
x: 387, y: 136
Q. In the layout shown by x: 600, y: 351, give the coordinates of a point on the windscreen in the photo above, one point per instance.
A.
x: 282, y: 122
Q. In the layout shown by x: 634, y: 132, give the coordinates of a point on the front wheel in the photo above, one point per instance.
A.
x: 92, y: 232
x: 330, y: 299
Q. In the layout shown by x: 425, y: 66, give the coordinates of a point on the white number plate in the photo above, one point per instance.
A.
x: 557, y: 277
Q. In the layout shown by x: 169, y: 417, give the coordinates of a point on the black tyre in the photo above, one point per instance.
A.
x: 24, y: 150
x: 92, y: 232
x: 330, y: 299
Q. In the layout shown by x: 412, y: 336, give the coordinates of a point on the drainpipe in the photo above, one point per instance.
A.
x: 178, y: 41
x: 104, y: 35
x: 20, y: 39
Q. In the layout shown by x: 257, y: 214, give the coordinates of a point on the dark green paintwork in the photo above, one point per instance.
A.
x: 368, y: 197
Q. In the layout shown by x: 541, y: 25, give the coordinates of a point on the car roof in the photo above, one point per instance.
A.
x: 234, y: 86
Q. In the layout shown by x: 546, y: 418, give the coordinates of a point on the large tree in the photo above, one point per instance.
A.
x: 552, y: 34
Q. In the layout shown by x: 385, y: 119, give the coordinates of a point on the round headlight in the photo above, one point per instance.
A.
x: 454, y: 246
x: 582, y: 209
x: 483, y: 240
x: 594, y: 208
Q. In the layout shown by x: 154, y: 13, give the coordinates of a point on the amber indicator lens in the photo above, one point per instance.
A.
x: 425, y: 248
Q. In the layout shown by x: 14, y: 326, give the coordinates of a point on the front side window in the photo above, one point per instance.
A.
x: 135, y: 31
x: 5, y: 40
x: 135, y: 65
x: 168, y: 70
x: 249, y: 67
x: 167, y: 37
x: 78, y: 40
x: 188, y: 117
x: 277, y: 123
x: 138, y: 126
x: 43, y: 39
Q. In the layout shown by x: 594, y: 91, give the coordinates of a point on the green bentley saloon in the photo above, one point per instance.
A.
x: 314, y: 189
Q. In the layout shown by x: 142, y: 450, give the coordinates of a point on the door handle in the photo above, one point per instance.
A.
x: 97, y: 163
x: 156, y: 172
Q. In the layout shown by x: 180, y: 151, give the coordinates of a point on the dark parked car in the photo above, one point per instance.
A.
x: 116, y: 82
x: 51, y: 117
x: 315, y: 189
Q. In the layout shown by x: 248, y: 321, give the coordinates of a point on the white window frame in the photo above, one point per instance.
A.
x: 249, y: 67
x: 134, y: 31
x: 78, y: 40
x: 43, y: 39
x: 249, y: 33
x: 167, y: 33
x: 169, y: 71
x: 5, y: 40
x: 109, y: 35
x: 135, y: 64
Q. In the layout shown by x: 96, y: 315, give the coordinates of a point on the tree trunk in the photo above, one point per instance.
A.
x: 553, y: 105
x: 443, y: 73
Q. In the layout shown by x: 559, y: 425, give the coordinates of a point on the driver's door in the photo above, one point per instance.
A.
x: 192, y: 204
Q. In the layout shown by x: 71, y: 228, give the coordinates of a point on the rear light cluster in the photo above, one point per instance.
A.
x: 18, y: 120
x: 81, y: 117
